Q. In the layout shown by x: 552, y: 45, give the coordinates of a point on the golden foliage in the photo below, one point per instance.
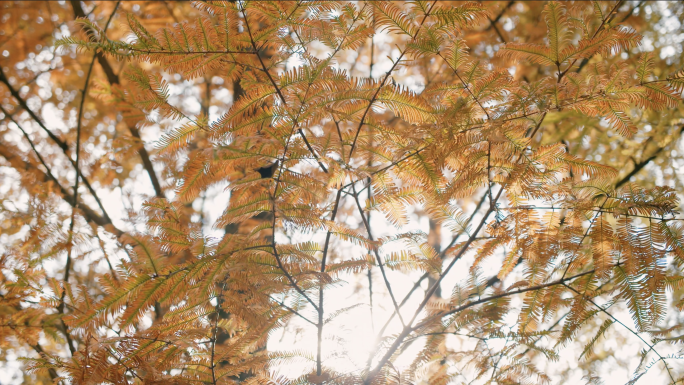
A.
x: 309, y: 151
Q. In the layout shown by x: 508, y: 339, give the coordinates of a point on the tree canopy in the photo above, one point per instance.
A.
x: 341, y: 192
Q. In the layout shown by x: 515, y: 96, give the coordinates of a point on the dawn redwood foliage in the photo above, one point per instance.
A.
x: 519, y: 146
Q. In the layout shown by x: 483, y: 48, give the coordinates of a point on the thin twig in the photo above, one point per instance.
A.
x: 407, y: 330
x: 651, y: 347
x: 465, y: 85
x: 599, y: 29
x: 384, y: 80
x: 62, y: 144
x: 113, y: 79
x: 21, y: 164
x: 377, y: 256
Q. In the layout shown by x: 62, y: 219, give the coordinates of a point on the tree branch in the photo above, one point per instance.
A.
x: 382, y: 83
x: 651, y: 347
x: 20, y: 164
x: 408, y: 328
x: 377, y: 256
x: 640, y: 165
x: 278, y: 91
x: 60, y: 143
x: 113, y: 79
